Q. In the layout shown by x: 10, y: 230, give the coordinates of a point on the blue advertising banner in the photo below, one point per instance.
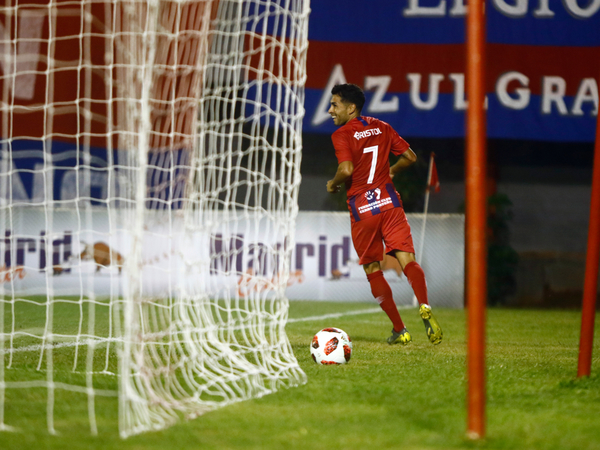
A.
x: 542, y: 66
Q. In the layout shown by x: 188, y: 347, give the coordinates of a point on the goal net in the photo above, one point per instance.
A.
x: 150, y: 154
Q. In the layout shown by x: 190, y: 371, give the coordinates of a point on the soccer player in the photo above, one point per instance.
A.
x: 363, y: 146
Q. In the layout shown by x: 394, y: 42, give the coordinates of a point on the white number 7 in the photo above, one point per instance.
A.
x: 373, y: 162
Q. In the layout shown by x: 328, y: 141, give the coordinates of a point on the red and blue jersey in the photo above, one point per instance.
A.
x: 367, y: 142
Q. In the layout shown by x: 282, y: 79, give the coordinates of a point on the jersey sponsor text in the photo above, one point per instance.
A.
x: 375, y: 205
x: 364, y: 134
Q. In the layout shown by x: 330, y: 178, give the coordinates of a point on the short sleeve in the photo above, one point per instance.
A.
x: 399, y: 145
x: 343, y: 152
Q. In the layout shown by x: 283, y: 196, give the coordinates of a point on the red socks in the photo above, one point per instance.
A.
x: 383, y: 294
x: 416, y: 278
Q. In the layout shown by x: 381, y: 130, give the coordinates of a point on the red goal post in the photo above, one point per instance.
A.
x: 592, y: 265
x: 476, y: 220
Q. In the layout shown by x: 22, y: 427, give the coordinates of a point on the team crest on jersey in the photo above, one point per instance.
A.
x: 373, y: 194
x: 363, y: 134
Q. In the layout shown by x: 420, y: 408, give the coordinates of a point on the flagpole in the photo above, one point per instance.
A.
x: 419, y: 256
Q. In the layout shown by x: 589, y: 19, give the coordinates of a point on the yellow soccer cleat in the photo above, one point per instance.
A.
x: 432, y: 328
x: 403, y: 337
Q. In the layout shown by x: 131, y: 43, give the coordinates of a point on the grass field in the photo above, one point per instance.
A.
x: 387, y: 397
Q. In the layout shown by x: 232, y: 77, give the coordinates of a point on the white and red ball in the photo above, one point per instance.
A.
x: 331, y: 346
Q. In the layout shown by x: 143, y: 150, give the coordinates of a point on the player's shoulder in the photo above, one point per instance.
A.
x: 359, y: 125
x: 339, y: 136
x: 375, y: 122
x: 344, y: 132
x: 340, y: 131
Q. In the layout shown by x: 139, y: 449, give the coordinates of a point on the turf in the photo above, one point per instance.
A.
x: 387, y: 396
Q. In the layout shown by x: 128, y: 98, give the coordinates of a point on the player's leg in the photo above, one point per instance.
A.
x: 383, y: 294
x: 414, y: 274
x: 366, y: 238
x: 398, y: 239
x: 416, y: 278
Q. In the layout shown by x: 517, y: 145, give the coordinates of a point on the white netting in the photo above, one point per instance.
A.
x: 150, y: 156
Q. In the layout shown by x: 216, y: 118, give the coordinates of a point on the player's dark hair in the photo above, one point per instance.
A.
x: 350, y: 93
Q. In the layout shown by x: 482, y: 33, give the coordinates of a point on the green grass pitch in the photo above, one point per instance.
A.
x: 387, y: 397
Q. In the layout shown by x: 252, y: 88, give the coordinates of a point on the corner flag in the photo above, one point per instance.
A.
x: 433, y: 181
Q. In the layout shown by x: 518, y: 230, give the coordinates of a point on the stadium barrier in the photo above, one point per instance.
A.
x: 323, y: 263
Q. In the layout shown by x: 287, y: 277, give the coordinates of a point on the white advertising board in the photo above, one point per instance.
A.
x: 323, y: 264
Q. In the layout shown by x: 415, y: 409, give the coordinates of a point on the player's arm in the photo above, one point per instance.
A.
x: 344, y: 171
x: 407, y: 159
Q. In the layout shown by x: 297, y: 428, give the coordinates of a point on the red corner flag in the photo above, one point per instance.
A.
x: 433, y: 181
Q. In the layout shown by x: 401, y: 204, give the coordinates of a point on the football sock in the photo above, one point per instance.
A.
x: 416, y: 278
x: 383, y: 294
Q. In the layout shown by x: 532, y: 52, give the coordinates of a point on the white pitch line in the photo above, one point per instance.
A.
x: 336, y: 315
x: 82, y: 342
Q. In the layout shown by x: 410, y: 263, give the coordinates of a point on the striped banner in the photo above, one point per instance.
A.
x: 543, y: 63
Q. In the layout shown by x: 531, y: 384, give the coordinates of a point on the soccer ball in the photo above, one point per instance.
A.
x: 331, y: 346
